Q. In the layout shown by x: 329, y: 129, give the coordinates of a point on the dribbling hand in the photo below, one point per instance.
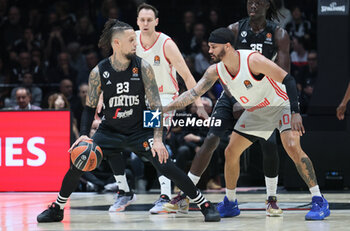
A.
x: 81, y: 138
x: 297, y: 124
x: 159, y: 148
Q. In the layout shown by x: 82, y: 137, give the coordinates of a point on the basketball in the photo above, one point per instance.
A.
x: 86, y: 156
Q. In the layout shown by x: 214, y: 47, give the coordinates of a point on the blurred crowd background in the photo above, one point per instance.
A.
x: 48, y: 48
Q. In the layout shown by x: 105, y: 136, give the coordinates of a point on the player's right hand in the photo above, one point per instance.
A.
x: 341, y: 111
x: 297, y: 124
x: 81, y: 138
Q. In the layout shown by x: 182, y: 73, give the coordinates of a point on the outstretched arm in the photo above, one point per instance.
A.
x: 153, y: 98
x: 342, y: 106
x: 189, y: 96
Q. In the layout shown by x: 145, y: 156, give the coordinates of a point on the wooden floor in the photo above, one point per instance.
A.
x: 88, y: 211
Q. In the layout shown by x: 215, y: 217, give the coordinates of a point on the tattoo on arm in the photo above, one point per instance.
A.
x: 307, y: 172
x: 152, y: 94
x: 94, y: 89
x: 189, y: 96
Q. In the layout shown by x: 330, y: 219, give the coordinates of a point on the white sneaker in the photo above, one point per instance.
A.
x: 122, y: 202
x: 158, y: 205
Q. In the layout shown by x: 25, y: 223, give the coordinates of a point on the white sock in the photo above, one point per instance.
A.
x: 165, y: 186
x: 200, y: 199
x: 122, y: 182
x: 315, y: 191
x: 193, y: 178
x: 61, y: 201
x: 231, y: 194
x: 271, y: 186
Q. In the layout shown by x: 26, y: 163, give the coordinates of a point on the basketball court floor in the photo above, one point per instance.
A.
x: 89, y: 211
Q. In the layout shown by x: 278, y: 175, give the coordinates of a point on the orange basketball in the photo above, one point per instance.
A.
x: 86, y: 156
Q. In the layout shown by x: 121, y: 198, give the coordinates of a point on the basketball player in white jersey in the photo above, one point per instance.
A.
x: 256, y: 82
x: 165, y: 58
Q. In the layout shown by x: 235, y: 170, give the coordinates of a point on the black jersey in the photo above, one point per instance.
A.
x: 123, y: 96
x: 262, y: 42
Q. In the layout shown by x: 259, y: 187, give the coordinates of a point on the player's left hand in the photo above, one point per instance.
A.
x: 159, y: 148
x: 297, y: 123
x: 202, y: 113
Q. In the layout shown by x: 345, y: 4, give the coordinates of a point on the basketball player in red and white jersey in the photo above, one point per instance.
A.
x: 256, y: 82
x: 165, y: 58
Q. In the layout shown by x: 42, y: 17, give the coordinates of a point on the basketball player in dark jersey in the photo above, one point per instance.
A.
x: 257, y: 32
x: 126, y: 81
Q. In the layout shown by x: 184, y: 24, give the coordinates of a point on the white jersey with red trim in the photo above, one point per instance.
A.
x: 164, y: 72
x: 266, y: 101
x: 246, y: 89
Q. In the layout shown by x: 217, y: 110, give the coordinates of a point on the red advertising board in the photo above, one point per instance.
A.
x: 33, y: 150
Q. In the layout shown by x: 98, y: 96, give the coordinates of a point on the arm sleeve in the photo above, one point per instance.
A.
x: 87, y: 118
x: 292, y: 93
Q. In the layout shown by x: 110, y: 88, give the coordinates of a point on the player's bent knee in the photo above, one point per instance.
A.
x: 231, y: 153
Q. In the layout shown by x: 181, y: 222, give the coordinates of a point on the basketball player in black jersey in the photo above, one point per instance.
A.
x: 257, y: 32
x: 126, y: 81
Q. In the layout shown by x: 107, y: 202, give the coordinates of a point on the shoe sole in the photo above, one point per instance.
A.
x: 126, y: 205
x: 175, y: 211
x: 320, y: 219
x: 161, y: 212
x: 273, y: 214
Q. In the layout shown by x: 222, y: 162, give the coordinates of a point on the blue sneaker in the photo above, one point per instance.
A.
x: 319, y: 209
x: 228, y: 208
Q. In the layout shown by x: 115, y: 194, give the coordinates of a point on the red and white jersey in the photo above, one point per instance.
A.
x: 251, y: 93
x: 164, y: 72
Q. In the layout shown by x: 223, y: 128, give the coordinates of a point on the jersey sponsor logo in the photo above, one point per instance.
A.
x: 124, y: 100
x: 263, y: 104
x: 156, y: 60
x: 244, y: 33
x: 248, y: 84
x: 108, y: 82
x: 151, y: 118
x: 135, y: 72
x: 125, y: 114
x: 105, y: 74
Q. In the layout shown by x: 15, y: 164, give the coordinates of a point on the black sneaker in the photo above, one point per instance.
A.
x: 52, y: 214
x: 210, y: 213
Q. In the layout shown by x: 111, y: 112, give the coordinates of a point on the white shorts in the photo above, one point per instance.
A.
x: 264, y: 121
x: 167, y: 116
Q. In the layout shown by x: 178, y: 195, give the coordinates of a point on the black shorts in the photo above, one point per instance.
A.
x: 112, y: 142
x: 223, y: 111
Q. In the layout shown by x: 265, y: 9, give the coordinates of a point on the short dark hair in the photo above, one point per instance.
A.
x: 147, y: 7
x: 112, y: 26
